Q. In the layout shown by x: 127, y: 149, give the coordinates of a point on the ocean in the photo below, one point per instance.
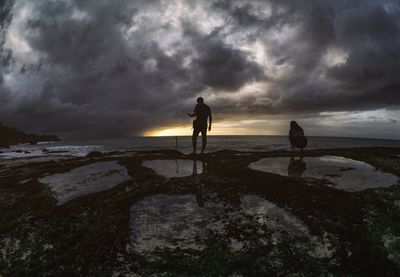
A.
x: 240, y: 143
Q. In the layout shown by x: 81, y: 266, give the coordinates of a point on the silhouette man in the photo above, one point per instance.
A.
x: 202, y: 112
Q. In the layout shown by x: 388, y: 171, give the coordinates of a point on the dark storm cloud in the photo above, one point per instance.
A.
x: 5, y: 54
x: 217, y: 64
x: 95, y: 84
x: 113, y: 68
x: 367, y: 31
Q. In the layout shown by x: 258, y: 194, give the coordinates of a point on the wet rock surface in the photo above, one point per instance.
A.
x: 119, y: 214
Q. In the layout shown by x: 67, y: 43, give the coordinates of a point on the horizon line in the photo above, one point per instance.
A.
x: 127, y: 137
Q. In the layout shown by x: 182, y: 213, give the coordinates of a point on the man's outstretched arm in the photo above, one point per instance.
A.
x: 194, y: 112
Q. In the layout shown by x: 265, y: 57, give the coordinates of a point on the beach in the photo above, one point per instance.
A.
x: 235, y: 213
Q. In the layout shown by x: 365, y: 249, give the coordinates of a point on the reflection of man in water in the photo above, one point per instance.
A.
x: 194, y: 167
x: 202, y: 112
x: 202, y: 193
x: 202, y: 167
x: 296, y: 168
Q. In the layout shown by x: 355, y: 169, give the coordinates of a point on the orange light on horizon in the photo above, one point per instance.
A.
x: 226, y: 128
x: 169, y: 132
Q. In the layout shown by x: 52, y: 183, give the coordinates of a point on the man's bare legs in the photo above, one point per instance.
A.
x: 194, y: 140
x: 203, y: 140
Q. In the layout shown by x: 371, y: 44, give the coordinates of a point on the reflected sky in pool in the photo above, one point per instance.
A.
x: 341, y: 173
x: 177, y: 221
x: 175, y: 168
x: 85, y: 180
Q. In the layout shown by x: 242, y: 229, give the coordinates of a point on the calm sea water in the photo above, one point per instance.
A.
x: 240, y: 143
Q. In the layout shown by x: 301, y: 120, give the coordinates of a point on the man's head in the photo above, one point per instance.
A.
x: 200, y: 100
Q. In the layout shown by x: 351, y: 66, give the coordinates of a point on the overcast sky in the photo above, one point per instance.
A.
x: 100, y: 68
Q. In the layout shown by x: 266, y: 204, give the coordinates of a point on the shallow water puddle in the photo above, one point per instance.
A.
x: 178, y: 222
x: 274, y: 217
x: 85, y: 180
x: 344, y: 174
x: 175, y: 168
x: 170, y: 221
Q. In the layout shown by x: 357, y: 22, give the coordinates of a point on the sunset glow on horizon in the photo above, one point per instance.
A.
x: 224, y: 128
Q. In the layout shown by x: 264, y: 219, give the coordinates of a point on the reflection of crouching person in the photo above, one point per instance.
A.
x: 296, y: 168
x: 296, y: 136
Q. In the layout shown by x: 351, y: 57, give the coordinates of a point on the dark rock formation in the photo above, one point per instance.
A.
x: 95, y: 154
x: 10, y: 136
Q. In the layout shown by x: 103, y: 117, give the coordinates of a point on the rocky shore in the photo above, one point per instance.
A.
x: 334, y: 211
x: 11, y: 136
